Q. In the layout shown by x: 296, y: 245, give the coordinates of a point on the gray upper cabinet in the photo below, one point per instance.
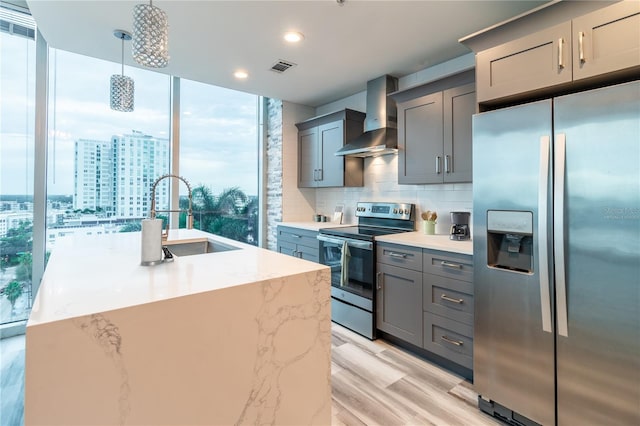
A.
x: 308, y: 157
x: 594, y: 48
x: 434, y: 137
x: 607, y: 40
x: 533, y: 62
x: 318, y: 140
x: 420, y: 136
x: 459, y: 107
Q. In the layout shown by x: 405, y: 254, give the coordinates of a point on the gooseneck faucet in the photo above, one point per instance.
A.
x: 153, y: 199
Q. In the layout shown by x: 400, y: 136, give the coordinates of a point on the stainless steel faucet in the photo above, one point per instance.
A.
x: 153, y: 199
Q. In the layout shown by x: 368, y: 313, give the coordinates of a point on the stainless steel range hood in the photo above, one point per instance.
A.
x: 380, y: 126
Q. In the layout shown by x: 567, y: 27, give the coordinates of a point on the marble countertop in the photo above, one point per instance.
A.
x: 314, y: 226
x: 91, y: 274
x: 435, y: 242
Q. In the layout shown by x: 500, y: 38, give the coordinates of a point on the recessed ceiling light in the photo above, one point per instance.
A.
x: 293, y: 36
x: 241, y: 74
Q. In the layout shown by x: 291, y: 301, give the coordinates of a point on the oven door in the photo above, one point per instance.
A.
x: 352, y: 272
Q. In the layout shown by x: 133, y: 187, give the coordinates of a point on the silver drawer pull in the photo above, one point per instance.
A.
x: 296, y: 236
x: 398, y: 255
x: 450, y: 299
x: 451, y: 265
x: 450, y: 340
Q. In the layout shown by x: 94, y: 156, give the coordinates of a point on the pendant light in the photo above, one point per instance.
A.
x: 122, y: 87
x: 150, y: 45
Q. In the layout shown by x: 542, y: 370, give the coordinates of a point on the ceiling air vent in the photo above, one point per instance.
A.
x: 281, y: 66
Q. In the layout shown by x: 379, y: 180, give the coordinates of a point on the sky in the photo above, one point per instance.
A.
x: 218, y: 141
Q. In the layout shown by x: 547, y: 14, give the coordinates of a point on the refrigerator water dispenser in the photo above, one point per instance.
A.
x: 510, y: 240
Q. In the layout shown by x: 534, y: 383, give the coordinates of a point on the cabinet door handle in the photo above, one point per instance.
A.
x: 450, y: 299
x: 452, y: 341
x: 293, y: 253
x: 315, y: 175
x: 379, y: 280
x: 397, y: 255
x: 320, y: 174
x: 451, y: 265
x: 560, y: 53
x: 581, y: 46
x: 446, y: 164
x: 296, y: 236
x: 438, y: 164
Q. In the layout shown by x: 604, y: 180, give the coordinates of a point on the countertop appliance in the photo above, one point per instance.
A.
x: 460, y: 226
x: 350, y: 253
x: 556, y: 217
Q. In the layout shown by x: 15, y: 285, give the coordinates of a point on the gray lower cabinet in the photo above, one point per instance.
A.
x: 398, y: 306
x: 448, y: 306
x: 299, y: 243
x: 318, y: 140
x: 425, y: 297
x: 434, y: 137
x: 601, y: 45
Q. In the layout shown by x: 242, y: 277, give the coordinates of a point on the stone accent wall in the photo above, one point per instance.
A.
x: 274, y: 171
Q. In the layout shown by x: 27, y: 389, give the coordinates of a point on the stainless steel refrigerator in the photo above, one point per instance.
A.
x: 556, y: 230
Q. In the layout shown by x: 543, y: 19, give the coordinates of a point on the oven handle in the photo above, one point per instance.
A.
x: 365, y: 245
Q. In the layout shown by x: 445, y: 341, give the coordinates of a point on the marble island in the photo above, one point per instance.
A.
x: 232, y: 337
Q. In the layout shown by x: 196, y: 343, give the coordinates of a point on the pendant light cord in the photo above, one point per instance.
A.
x: 122, y: 50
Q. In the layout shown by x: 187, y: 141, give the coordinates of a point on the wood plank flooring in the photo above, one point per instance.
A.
x: 374, y: 383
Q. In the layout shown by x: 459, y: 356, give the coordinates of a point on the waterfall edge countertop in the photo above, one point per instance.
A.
x: 230, y: 337
x: 434, y: 242
x: 91, y: 274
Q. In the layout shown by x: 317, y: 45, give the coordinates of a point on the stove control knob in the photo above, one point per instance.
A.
x: 395, y: 211
x: 406, y: 211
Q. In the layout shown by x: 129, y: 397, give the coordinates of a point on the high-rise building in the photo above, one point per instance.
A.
x: 115, y: 176
x: 93, y: 176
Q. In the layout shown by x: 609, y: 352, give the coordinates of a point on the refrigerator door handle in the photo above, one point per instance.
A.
x: 543, y: 242
x: 558, y: 234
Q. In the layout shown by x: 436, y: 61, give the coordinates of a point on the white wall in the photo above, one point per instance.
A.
x: 381, y: 184
x: 381, y: 173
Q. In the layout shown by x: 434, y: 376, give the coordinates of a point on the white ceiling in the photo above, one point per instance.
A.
x: 344, y: 47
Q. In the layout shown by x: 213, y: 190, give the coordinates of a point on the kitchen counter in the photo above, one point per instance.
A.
x: 435, y: 242
x: 314, y: 226
x: 233, y: 337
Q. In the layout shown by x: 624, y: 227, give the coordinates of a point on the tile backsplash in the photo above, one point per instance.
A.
x: 381, y: 184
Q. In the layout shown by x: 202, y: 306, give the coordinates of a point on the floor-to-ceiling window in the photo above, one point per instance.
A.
x: 17, y: 100
x: 101, y: 162
x: 219, y: 156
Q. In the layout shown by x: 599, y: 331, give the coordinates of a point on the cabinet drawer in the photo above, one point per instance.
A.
x: 449, y: 298
x: 447, y: 264
x: 449, y: 339
x: 397, y: 255
x: 299, y: 236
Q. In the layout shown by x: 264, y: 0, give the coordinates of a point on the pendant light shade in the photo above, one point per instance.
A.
x: 150, y: 43
x: 122, y: 87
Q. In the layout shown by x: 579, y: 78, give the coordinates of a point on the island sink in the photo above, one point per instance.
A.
x: 189, y: 248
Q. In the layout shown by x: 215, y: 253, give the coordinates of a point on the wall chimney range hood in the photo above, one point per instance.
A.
x: 380, y: 135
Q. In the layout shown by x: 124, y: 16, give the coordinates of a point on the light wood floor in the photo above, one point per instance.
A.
x: 374, y: 383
